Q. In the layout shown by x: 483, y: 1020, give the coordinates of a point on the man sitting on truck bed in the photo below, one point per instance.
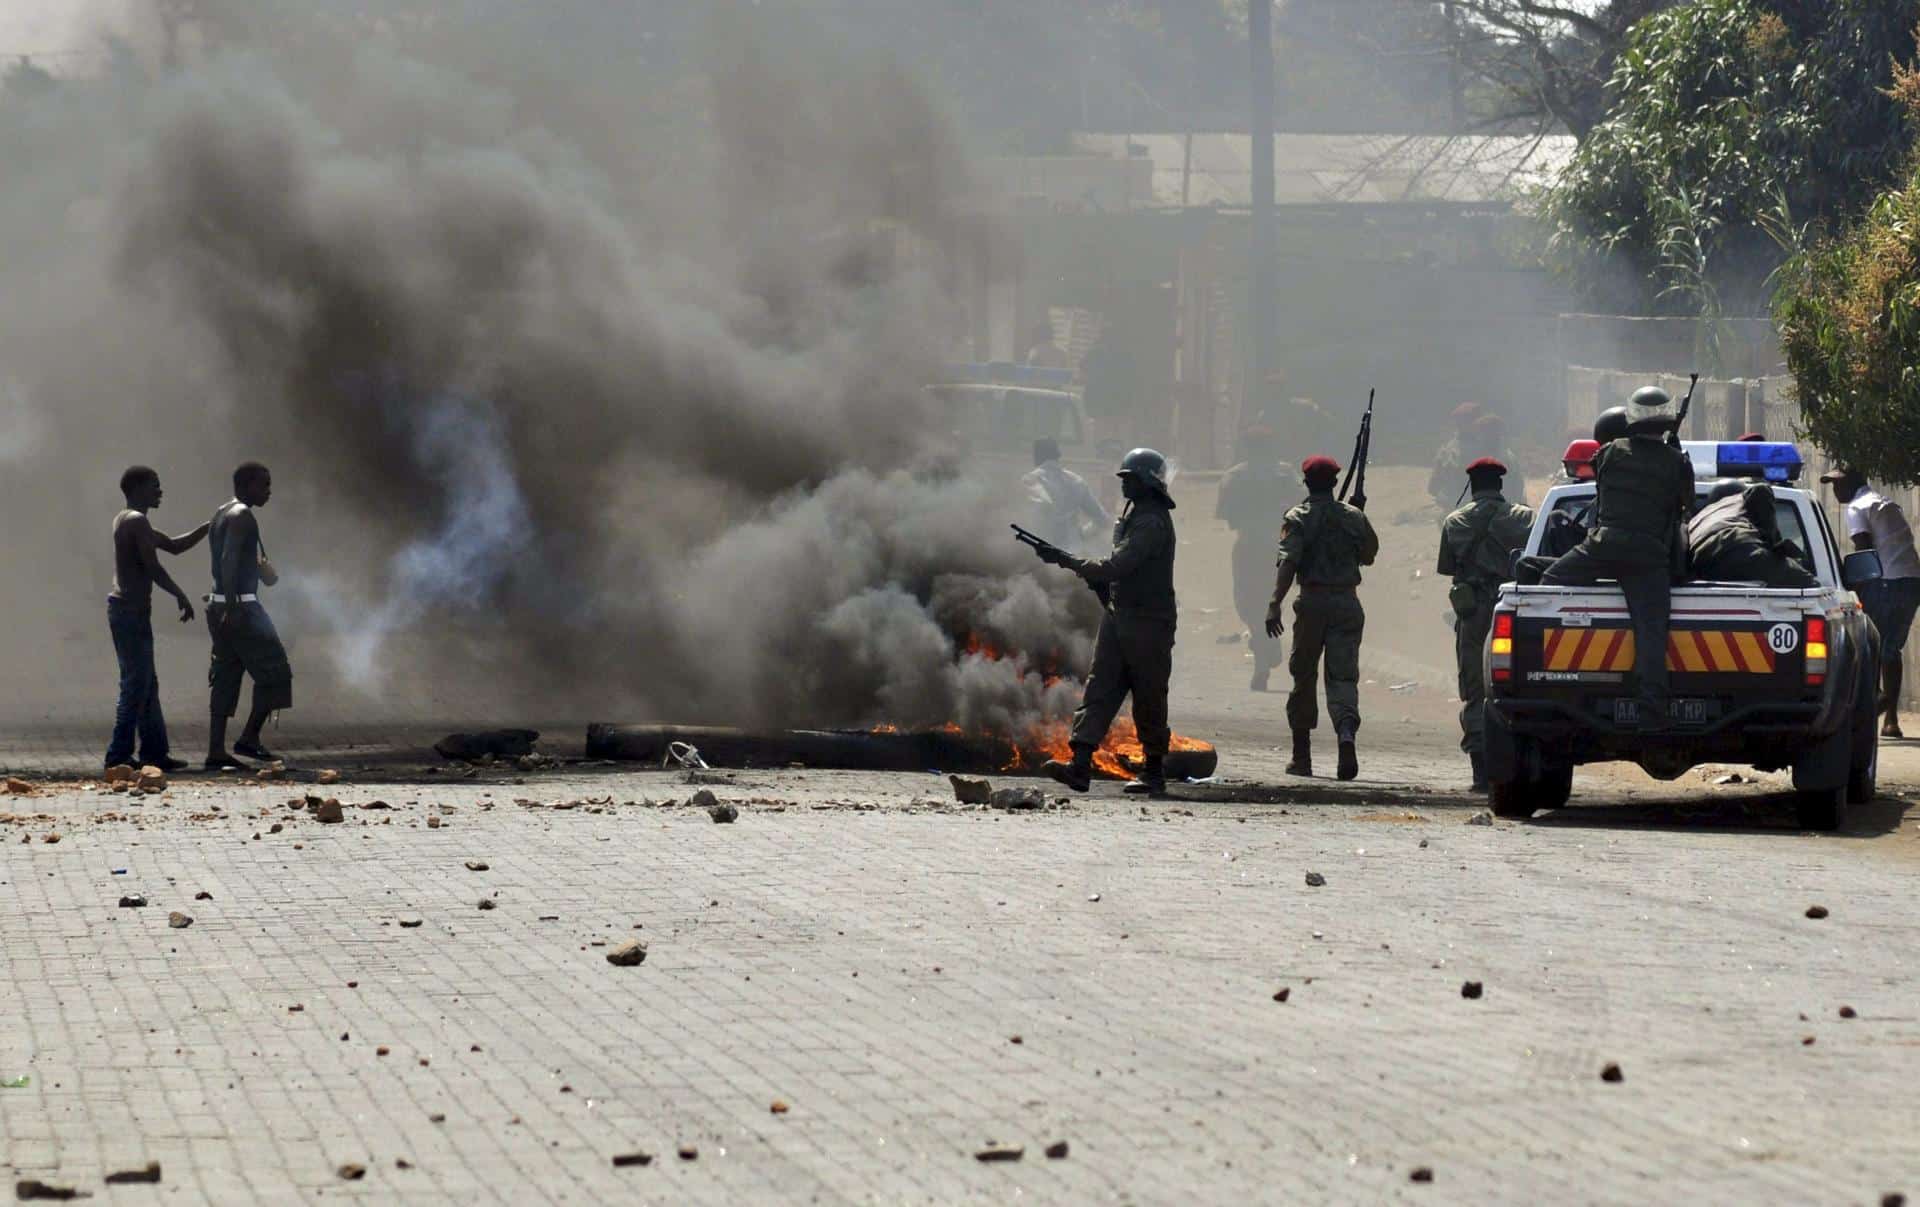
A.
x: 1736, y: 538
x: 1644, y: 488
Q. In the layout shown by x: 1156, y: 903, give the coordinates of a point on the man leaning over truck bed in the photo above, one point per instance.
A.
x: 1644, y: 489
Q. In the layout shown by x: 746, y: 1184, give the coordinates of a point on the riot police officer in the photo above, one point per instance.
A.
x: 1133, y: 651
x: 1644, y: 493
x: 1323, y: 544
x: 1477, y: 544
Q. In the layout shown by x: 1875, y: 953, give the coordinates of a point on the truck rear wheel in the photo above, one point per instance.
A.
x: 1863, y: 775
x: 1521, y: 798
x: 1823, y: 809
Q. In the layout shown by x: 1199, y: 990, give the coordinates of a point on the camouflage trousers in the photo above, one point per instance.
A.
x: 1469, y: 640
x: 1326, y: 623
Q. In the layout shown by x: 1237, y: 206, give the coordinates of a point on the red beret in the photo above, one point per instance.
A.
x: 1487, y: 465
x: 1319, y: 467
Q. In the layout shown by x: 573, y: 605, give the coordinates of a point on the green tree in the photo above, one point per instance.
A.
x: 1735, y: 124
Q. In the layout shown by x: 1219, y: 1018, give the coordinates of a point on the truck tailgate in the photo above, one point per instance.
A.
x: 1716, y: 646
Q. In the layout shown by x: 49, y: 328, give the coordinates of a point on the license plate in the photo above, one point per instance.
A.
x: 1681, y: 712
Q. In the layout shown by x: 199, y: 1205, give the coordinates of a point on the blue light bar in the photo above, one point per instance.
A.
x: 1767, y: 460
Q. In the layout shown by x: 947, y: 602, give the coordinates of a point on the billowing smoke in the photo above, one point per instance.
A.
x: 555, y: 431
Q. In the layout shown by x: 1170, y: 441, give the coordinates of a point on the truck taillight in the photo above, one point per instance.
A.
x: 1500, y: 649
x: 1816, y: 655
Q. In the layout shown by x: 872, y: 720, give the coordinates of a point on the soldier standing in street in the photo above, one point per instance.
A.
x: 1253, y: 497
x: 1133, y: 652
x: 1477, y: 544
x: 1644, y: 491
x: 1323, y: 544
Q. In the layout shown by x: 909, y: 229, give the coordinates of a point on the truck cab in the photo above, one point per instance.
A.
x: 1770, y: 677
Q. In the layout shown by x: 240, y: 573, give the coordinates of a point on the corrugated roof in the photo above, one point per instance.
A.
x: 1322, y: 169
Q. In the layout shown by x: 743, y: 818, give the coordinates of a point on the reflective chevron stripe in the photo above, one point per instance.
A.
x: 1700, y: 651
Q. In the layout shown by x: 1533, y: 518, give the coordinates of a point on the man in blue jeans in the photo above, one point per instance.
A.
x: 136, y: 569
x: 1876, y: 522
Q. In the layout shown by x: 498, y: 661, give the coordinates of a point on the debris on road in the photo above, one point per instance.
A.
x: 433, y: 821
x: 352, y: 1171
x: 1848, y: 1012
x: 627, y: 954
x: 33, y: 1188
x: 178, y: 920
x: 20, y: 787
x: 703, y: 799
x: 1421, y: 1174
x: 1482, y: 818
x: 411, y: 923
x: 152, y: 780
x: 1316, y: 880
x: 723, y: 814
x: 622, y: 1160
x: 150, y: 1172
x: 496, y: 743
x: 1057, y: 1150
x: 476, y: 865
x: 487, y: 903
x: 133, y: 903
x: 996, y: 1151
x: 121, y: 774
x: 327, y: 777
x: 1018, y: 799
x: 971, y: 791
x: 1611, y: 1073
x: 1816, y: 911
x: 203, y: 895
x: 779, y: 1106
x: 1282, y: 994
x: 688, y: 1152
x: 1471, y: 989
x: 329, y: 812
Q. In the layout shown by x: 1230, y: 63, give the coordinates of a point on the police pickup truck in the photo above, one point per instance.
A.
x: 1771, y: 677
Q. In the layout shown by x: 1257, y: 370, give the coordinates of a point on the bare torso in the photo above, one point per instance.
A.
x: 131, y: 583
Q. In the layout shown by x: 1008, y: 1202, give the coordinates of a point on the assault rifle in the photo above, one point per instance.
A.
x: 1053, y: 554
x: 1357, y: 468
x: 1686, y: 404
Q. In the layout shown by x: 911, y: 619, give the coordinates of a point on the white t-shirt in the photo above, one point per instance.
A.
x: 1881, y: 518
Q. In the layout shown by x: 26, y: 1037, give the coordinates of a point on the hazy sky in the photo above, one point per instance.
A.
x: 55, y: 27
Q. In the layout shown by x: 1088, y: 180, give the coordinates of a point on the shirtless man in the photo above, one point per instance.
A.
x: 244, y: 640
x: 136, y: 568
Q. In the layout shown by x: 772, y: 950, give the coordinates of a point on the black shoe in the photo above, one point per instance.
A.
x: 1302, y: 762
x: 256, y: 752
x: 166, y: 764
x: 1075, y: 775
x: 1349, y: 767
x: 220, y: 762
x: 1152, y: 780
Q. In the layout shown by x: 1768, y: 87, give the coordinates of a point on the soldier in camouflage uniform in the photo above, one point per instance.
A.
x: 1323, y: 544
x: 1253, y: 497
x: 1477, y: 544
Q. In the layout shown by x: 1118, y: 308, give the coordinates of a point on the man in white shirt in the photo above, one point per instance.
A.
x: 1064, y: 509
x: 1044, y: 352
x: 1876, y: 522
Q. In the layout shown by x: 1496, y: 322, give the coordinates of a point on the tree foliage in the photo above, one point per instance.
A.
x: 1848, y: 311
x: 1736, y: 124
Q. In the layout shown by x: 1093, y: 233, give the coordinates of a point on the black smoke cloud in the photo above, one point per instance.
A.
x: 552, y: 434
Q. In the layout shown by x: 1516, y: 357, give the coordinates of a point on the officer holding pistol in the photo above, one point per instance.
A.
x: 1477, y: 544
x: 1133, y: 651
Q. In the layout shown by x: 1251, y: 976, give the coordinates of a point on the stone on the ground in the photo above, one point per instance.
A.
x: 1018, y: 799
x: 329, y: 811
x: 1057, y: 1150
x: 723, y: 814
x: 622, y: 1160
x: 971, y: 791
x: 178, y: 920
x: 150, y: 1172
x: 152, y: 779
x: 33, y: 1188
x: 995, y: 1151
x: 1471, y: 989
x: 627, y: 954
x: 1816, y: 911
x: 1482, y: 818
x: 1611, y: 1072
x: 132, y: 902
x: 703, y: 799
x: 487, y: 903
x: 122, y: 774
x: 327, y: 777
x: 476, y: 865
x: 1316, y: 880
x: 20, y: 787
x: 352, y: 1171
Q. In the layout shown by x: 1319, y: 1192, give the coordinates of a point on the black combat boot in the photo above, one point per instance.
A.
x: 1077, y: 775
x: 1890, y: 673
x: 1479, y: 772
x: 1152, y: 780
x: 1349, y: 765
x: 1302, y: 763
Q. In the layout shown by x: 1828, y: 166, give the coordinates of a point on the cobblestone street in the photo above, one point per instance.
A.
x: 916, y: 978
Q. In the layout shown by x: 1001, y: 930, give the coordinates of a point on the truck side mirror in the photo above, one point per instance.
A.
x: 1860, y: 568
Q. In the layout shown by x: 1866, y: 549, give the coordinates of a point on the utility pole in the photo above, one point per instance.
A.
x: 1263, y: 273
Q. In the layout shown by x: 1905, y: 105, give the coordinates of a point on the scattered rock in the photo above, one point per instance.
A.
x: 152, y: 779
x: 329, y: 812
x: 402, y: 1163
x: 49, y: 839
x: 1093, y: 896
x: 203, y: 895
x: 1816, y: 911
x: 33, y: 1188
x: 123, y: 774
x: 133, y: 903
x: 486, y: 903
x: 703, y: 799
x: 275, y: 828
x: 1482, y: 818
x: 723, y: 814
x: 352, y: 1172
x: 1057, y: 1151
x: 1282, y: 994
x: 383, y: 1050
x: 147, y: 1173
x: 269, y: 774
x: 411, y: 923
x: 327, y: 777
x: 688, y: 1152
x: 433, y: 821
x: 1421, y: 1174
x: 476, y: 865
x: 970, y: 791
x: 996, y: 1151
x: 622, y: 1160
x: 497, y: 743
x: 20, y: 787
x: 437, y: 1117
x: 1016, y: 1039
x: 779, y: 1106
x: 627, y: 954
x: 178, y: 920
x: 1893, y: 1198
x: 1848, y: 1012
x: 1017, y: 799
x: 1316, y: 880
x: 1471, y: 989
x: 1611, y: 1072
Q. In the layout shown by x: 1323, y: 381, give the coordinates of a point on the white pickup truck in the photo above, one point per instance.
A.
x: 1771, y: 677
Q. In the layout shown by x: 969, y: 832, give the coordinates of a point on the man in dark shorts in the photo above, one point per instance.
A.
x: 136, y: 569
x: 244, y: 640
